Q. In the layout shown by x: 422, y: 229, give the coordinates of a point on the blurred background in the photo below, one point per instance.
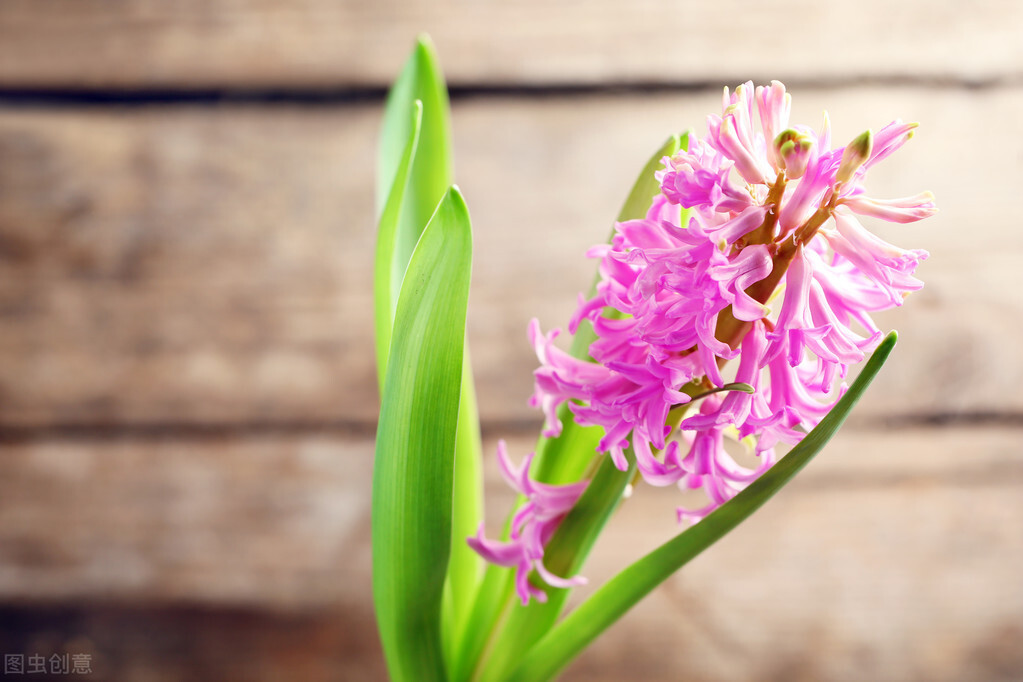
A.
x: 187, y: 391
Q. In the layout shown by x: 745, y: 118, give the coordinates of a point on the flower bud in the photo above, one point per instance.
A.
x: 793, y: 150
x: 855, y: 154
x: 774, y: 106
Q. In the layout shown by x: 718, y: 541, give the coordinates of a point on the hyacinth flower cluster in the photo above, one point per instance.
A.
x: 712, y: 353
x: 731, y: 312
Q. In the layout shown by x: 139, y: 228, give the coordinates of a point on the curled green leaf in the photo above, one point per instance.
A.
x: 431, y: 173
x: 386, y: 275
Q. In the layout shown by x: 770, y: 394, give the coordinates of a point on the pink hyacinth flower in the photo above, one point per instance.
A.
x: 772, y: 268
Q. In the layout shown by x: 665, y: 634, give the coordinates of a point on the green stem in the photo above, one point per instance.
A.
x: 492, y: 598
x: 765, y: 233
x: 465, y: 566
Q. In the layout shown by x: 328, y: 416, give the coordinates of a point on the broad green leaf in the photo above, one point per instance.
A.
x: 414, y: 465
x: 386, y: 278
x: 611, y: 601
x: 559, y: 460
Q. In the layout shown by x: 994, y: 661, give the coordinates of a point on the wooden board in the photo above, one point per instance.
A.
x: 171, y: 642
x: 895, y: 555
x: 212, y: 265
x: 331, y: 44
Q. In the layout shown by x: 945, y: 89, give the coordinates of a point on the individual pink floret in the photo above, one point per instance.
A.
x: 531, y: 528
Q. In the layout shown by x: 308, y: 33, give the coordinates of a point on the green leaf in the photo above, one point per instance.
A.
x: 415, y: 184
x: 635, y: 207
x: 611, y: 601
x: 413, y: 469
x: 647, y: 185
x: 431, y: 172
x: 386, y: 278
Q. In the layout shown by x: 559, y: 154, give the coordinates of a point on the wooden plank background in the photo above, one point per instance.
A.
x: 340, y: 43
x: 187, y: 395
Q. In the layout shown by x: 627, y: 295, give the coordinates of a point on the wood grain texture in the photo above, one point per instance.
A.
x: 349, y: 43
x: 212, y: 265
x: 187, y: 389
x: 895, y: 555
